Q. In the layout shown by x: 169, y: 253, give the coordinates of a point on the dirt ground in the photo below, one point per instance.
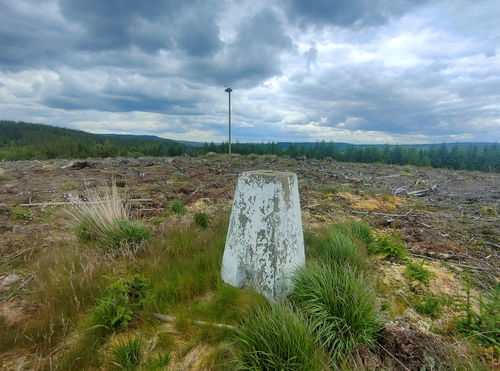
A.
x: 449, y: 216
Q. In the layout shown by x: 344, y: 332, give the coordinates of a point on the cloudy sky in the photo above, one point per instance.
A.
x: 358, y: 71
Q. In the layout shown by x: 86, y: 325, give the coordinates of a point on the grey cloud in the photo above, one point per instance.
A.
x: 417, y: 101
x: 251, y: 57
x: 150, y: 25
x: 342, y: 13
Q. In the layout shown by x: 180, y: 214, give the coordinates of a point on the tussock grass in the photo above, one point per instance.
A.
x: 201, y: 220
x: 342, y: 243
x: 339, y: 303
x: 128, y: 354
x: 356, y: 230
x: 104, y: 219
x: 337, y: 248
x: 279, y: 338
x: 177, y: 207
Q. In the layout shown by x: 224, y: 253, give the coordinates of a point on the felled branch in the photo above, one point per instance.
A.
x: 171, y: 319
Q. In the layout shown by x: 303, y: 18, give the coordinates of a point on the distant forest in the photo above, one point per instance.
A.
x: 25, y: 141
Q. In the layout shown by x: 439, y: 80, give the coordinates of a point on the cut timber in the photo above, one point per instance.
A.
x: 265, y: 243
x: 62, y: 203
x: 195, y: 322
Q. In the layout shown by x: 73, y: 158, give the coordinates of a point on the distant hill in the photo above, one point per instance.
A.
x: 342, y: 145
x: 152, y: 137
x: 26, y: 141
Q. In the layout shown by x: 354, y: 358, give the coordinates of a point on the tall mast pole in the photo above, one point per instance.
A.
x: 229, y: 90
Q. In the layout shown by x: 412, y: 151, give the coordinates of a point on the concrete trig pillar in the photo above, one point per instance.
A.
x: 265, y: 243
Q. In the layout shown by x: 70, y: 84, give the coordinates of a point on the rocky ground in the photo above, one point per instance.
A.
x: 450, y: 217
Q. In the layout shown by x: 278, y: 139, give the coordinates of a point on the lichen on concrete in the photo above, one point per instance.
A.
x: 265, y: 240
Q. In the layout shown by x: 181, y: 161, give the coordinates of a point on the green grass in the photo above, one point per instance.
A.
x: 341, y: 243
x: 228, y: 305
x: 128, y: 354
x: 389, y: 245
x: 278, y: 338
x: 19, y: 212
x: 120, y: 183
x: 104, y: 220
x: 183, y: 264
x: 329, y: 190
x: 429, y: 306
x: 336, y: 248
x: 358, y: 231
x: 417, y: 272
x: 201, y: 220
x: 126, y: 233
x: 339, y: 303
x: 177, y: 207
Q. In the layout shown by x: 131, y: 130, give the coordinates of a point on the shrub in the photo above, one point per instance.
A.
x: 201, y: 220
x: 178, y: 207
x: 278, y: 338
x: 389, y: 245
x: 417, y: 272
x: 339, y: 303
x: 111, y: 313
x: 136, y: 290
x: 115, y: 309
x: 483, y: 327
x: 127, y: 354
x: 19, y: 212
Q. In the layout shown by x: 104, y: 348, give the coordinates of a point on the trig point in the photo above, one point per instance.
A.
x: 265, y: 243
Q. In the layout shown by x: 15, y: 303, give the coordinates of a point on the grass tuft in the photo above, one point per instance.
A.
x: 430, y: 306
x: 201, y: 220
x: 337, y: 248
x: 177, y: 207
x: 128, y: 354
x: 340, y: 305
x: 278, y: 338
x: 104, y: 219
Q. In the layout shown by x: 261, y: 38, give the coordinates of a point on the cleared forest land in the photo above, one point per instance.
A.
x: 428, y: 250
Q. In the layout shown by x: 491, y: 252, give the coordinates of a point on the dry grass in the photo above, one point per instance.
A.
x: 105, y: 220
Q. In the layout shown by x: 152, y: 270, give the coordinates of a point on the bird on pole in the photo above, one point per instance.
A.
x: 229, y: 90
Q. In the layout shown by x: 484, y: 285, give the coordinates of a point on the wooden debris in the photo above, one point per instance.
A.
x: 171, y: 319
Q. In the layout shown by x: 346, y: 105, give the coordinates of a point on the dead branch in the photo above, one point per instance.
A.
x: 451, y: 263
x: 62, y: 203
x: 492, y: 244
x: 383, y: 214
x: 171, y: 319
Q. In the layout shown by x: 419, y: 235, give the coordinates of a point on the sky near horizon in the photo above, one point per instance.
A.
x: 358, y: 71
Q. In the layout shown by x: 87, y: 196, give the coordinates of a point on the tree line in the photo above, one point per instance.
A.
x: 26, y: 141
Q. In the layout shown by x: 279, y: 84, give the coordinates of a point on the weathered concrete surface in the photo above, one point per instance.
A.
x: 265, y: 243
